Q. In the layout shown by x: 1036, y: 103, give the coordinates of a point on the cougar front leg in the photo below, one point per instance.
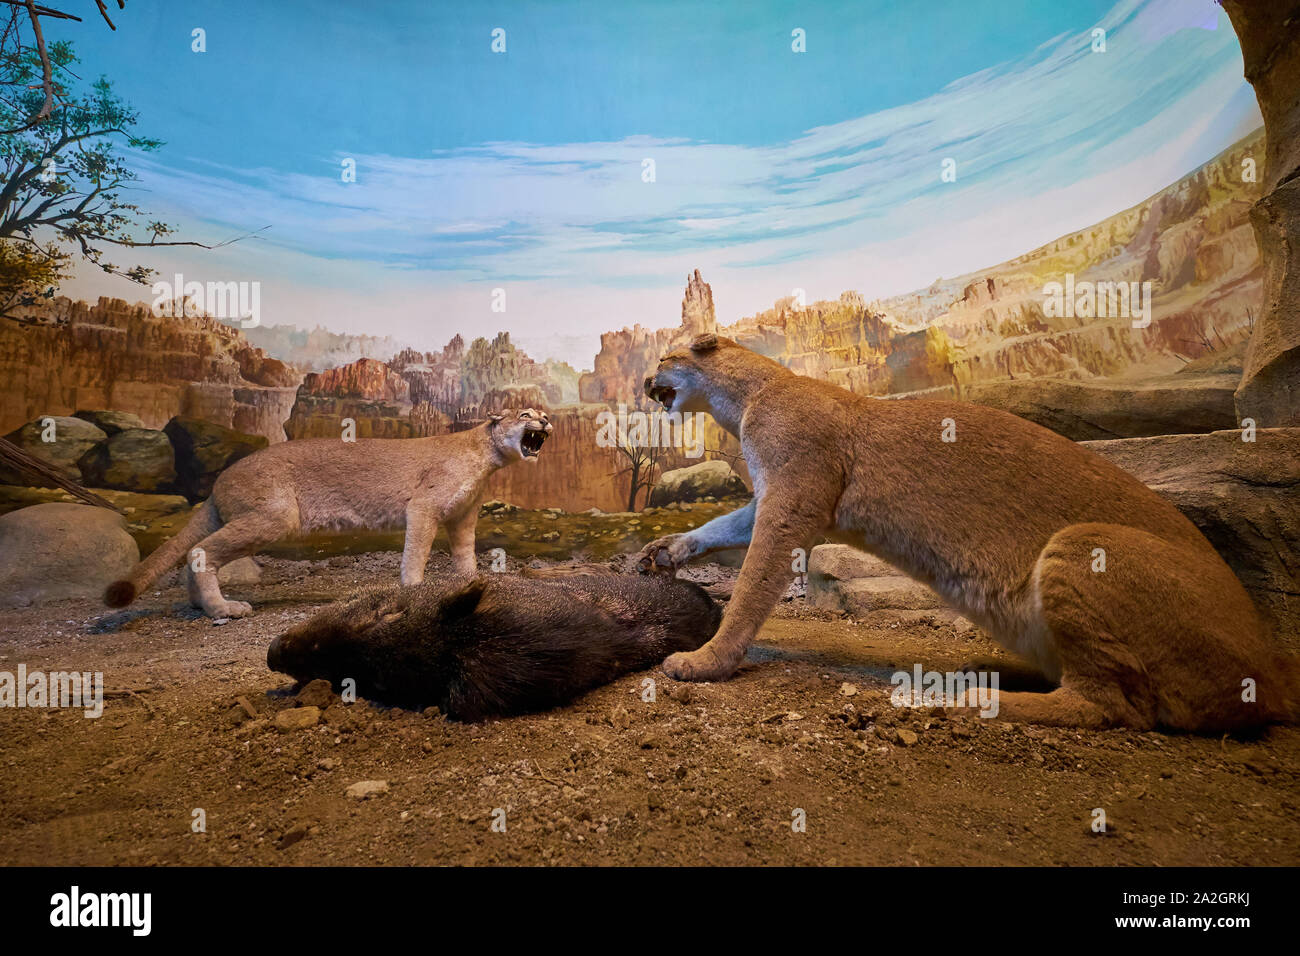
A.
x: 461, y: 533
x: 670, y: 552
x: 421, y: 526
x: 782, y: 523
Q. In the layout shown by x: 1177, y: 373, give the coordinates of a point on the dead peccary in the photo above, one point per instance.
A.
x: 492, y: 645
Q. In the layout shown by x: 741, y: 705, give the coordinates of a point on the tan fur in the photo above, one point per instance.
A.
x: 1003, y: 523
x: 329, y: 484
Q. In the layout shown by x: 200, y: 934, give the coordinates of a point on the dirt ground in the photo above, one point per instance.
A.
x: 701, y: 774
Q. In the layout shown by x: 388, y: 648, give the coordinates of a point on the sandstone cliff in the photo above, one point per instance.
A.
x: 1192, y: 241
x: 626, y: 356
x: 117, y: 356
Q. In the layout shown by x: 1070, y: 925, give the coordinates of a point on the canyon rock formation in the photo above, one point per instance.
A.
x: 626, y: 356
x: 1270, y: 49
x: 122, y: 357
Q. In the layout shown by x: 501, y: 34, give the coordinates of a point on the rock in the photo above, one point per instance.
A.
x: 365, y: 789
x: 203, y: 450
x: 848, y: 690
x: 132, y: 459
x: 111, y: 355
x: 1270, y: 388
x: 619, y: 718
x: 71, y: 439
x: 1245, y: 498
x: 626, y: 357
x: 907, y: 738
x: 317, y: 693
x: 111, y: 422
x: 242, y: 572
x: 57, y: 550
x: 293, y: 835
x: 1180, y: 404
x: 841, y: 578
x: 297, y: 718
x: 844, y: 563
x: 681, y: 692
x: 707, y: 479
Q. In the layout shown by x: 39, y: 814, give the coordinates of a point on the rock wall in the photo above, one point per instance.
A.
x: 117, y: 356
x: 1270, y: 48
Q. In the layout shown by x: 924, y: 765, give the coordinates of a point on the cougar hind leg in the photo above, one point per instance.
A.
x: 1147, y: 632
x: 242, y: 537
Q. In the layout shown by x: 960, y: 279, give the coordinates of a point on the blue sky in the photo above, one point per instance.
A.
x: 773, y: 169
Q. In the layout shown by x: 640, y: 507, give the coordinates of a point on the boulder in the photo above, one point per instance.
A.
x: 241, y: 572
x: 203, y: 450
x: 1245, y: 498
x: 133, y: 459
x: 708, y: 479
x: 111, y: 422
x: 1083, y: 411
x: 54, y: 551
x: 71, y: 438
x: 841, y: 578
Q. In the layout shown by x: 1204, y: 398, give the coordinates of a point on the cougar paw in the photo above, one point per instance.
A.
x: 664, y: 555
x: 701, y: 665
x: 230, y: 609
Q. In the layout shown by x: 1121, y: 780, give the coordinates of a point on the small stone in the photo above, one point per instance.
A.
x: 297, y: 718
x: 317, y: 693
x: 907, y: 737
x: 848, y: 690
x: 620, y: 719
x: 365, y: 789
x: 292, y: 835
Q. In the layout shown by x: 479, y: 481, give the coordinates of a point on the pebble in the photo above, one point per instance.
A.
x: 365, y: 789
x: 297, y: 718
x: 291, y: 836
x: 317, y: 693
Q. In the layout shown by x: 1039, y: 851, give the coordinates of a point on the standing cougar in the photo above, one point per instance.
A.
x: 1010, y: 523
x: 326, y: 483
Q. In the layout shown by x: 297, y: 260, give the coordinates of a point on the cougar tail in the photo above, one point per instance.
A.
x: 202, y: 523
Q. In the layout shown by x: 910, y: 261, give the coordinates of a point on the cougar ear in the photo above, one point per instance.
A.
x: 705, y: 342
x: 494, y: 419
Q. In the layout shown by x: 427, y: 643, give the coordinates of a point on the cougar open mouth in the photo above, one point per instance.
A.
x: 663, y: 395
x: 532, y: 441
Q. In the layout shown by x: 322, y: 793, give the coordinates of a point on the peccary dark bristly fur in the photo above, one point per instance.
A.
x: 493, y: 645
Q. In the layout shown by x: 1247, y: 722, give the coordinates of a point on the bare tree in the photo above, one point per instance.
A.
x: 642, y: 464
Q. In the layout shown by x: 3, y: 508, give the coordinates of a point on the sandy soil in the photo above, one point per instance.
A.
x: 711, y: 774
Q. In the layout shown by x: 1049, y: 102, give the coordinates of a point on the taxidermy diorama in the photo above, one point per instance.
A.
x: 847, y: 433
